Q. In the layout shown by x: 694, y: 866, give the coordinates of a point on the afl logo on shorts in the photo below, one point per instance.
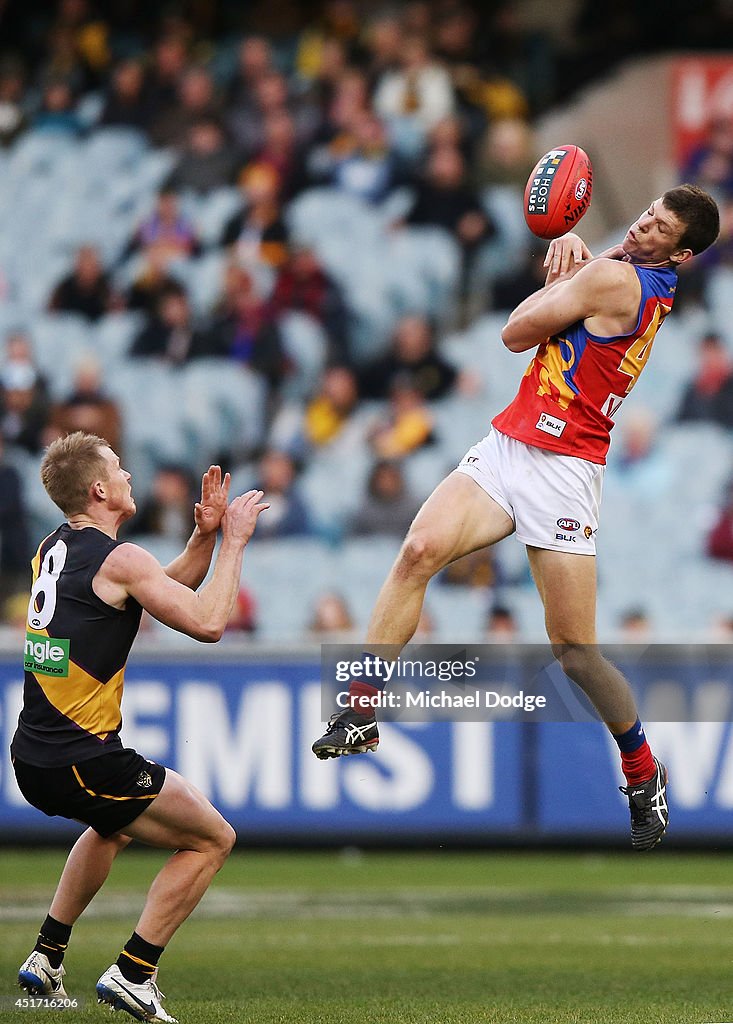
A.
x: 569, y: 525
x: 581, y: 188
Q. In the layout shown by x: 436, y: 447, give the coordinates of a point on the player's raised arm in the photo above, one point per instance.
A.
x: 131, y: 570
x: 191, y: 566
x: 596, y: 287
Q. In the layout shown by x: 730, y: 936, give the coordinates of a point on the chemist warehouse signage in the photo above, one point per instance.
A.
x: 241, y: 730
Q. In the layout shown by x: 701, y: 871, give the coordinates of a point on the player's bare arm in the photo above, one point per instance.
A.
x: 603, y: 292
x: 191, y: 566
x: 131, y: 571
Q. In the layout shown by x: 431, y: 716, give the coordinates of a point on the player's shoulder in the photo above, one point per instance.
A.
x: 605, y: 271
x: 127, y: 561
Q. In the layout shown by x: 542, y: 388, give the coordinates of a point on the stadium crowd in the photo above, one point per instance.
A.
x: 285, y: 154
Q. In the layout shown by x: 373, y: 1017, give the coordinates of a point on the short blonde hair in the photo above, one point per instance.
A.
x: 69, y: 468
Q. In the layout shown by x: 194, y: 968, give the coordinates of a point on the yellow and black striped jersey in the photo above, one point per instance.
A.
x: 76, y: 649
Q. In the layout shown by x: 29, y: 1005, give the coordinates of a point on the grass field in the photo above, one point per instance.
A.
x: 410, y: 938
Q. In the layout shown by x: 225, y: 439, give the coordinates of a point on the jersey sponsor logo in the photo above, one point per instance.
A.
x: 567, y: 537
x: 145, y: 780
x: 569, y: 525
x: 47, y: 656
x: 551, y: 424
x: 471, y: 458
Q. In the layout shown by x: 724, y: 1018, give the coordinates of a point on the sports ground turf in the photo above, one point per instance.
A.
x: 433, y: 938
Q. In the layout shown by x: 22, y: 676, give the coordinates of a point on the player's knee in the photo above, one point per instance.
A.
x: 576, y: 659
x: 419, y: 554
x: 226, y: 837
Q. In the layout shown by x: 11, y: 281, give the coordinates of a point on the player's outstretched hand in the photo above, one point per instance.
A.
x: 240, y: 518
x: 565, y: 253
x: 208, y: 512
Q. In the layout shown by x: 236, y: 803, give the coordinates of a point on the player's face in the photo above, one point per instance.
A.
x: 655, y: 236
x: 119, y: 491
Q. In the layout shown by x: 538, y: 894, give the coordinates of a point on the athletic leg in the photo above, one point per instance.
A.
x: 86, y: 870
x: 567, y: 586
x: 458, y: 517
x: 180, y: 819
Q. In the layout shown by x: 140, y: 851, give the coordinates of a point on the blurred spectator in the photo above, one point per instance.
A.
x: 207, y: 161
x: 13, y: 120
x: 270, y: 95
x: 350, y: 103
x: 126, y: 105
x: 506, y: 155
x: 152, y: 282
x: 363, y: 164
x: 444, y: 198
x: 88, y: 408
x: 413, y: 352
x: 638, y: 467
x: 257, y: 234
x: 721, y: 630
x: 325, y: 73
x: 168, y: 512
x: 242, y: 330
x: 408, y: 424
x: 167, y: 230
x: 512, y: 288
x: 87, y: 36
x: 501, y: 625
x: 331, y: 616
x: 720, y: 538
x: 14, y: 545
x: 86, y: 290
x: 287, y: 515
x: 23, y: 396
x: 282, y: 152
x: 255, y: 61
x: 387, y: 507
x: 243, y: 618
x: 483, y: 94
x: 710, y: 165
x: 709, y: 395
x: 330, y: 410
x: 303, y: 285
x: 171, y: 334
x: 196, y: 101
x: 634, y: 626
x: 419, y: 92
x: 169, y: 59
x: 57, y: 112
x: 383, y: 40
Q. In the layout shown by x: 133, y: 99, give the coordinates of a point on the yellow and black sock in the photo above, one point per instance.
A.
x: 53, y: 939
x: 138, y: 959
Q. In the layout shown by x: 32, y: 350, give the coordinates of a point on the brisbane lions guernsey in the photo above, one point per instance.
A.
x: 76, y: 649
x: 576, y: 382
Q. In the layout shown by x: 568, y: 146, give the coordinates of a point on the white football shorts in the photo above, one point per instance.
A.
x: 553, y: 499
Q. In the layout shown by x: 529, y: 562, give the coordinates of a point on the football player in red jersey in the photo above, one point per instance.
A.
x: 539, y: 471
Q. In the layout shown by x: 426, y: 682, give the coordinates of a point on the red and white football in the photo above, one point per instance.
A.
x: 558, y: 192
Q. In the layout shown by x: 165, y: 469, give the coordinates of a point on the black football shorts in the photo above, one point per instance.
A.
x: 106, y: 792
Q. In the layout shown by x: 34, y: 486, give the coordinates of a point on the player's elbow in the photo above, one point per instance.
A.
x: 209, y: 632
x: 511, y: 338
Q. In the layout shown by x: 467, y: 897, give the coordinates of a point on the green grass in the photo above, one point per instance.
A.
x: 412, y: 938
